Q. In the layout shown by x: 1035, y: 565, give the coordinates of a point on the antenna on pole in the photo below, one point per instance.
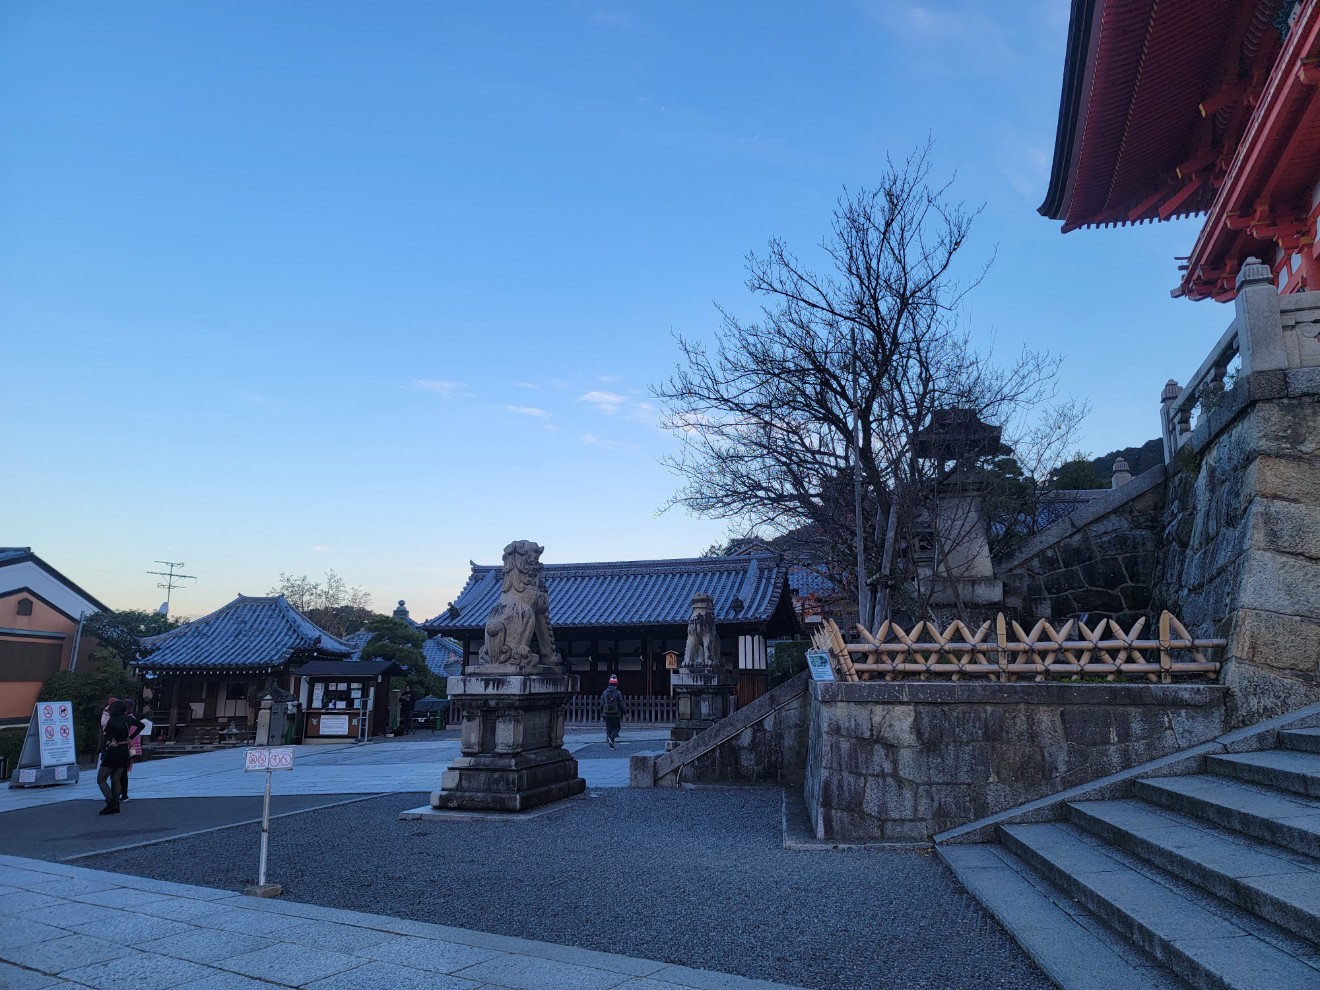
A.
x: 171, y: 580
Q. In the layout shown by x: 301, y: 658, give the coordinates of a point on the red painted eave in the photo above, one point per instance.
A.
x: 1132, y: 143
x: 1269, y: 183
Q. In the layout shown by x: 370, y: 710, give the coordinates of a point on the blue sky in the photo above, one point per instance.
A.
x: 380, y: 286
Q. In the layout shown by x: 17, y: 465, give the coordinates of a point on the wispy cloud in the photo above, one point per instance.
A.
x: 441, y: 387
x: 606, y: 402
x: 531, y: 411
x: 320, y: 548
x: 596, y: 440
x: 529, y: 385
x: 607, y: 379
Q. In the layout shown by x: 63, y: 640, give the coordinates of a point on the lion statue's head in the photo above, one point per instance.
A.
x: 522, y: 566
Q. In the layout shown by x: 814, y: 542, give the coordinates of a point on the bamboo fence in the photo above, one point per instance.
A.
x: 1002, y: 650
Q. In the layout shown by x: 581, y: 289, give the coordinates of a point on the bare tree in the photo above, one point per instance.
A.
x: 334, y: 606
x: 806, y: 415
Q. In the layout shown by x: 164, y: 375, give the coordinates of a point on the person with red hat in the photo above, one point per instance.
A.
x: 612, y: 709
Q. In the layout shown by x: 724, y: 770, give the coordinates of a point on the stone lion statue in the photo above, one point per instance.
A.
x: 523, y: 611
x: 702, y: 651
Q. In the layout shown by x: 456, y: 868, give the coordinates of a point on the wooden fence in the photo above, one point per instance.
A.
x: 583, y: 709
x: 1071, y: 651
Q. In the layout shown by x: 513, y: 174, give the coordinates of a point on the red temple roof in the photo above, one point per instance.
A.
x: 1155, y: 98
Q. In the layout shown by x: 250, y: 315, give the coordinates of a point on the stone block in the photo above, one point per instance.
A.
x: 1289, y: 479
x: 641, y: 770
x: 1105, y: 573
x: 1099, y: 601
x: 1274, y: 582
x: 1270, y: 641
x: 1127, y: 541
x: 846, y: 720
x: 893, y: 724
x: 842, y: 791
x: 1285, y: 527
x: 887, y: 799
x: 967, y: 763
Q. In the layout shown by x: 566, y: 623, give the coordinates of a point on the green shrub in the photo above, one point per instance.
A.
x: 101, y: 677
x: 790, y: 659
x: 11, y: 745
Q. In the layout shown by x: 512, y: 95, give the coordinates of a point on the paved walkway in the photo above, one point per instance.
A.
x: 383, y: 766
x: 64, y: 925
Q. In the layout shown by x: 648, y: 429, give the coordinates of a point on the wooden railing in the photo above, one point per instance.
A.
x: 1004, y: 651
x: 584, y: 709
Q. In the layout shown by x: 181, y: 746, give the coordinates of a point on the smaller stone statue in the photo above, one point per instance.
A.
x: 523, y: 611
x: 702, y: 652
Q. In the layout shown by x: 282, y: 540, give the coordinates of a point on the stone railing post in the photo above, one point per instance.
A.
x: 1169, y: 429
x: 1260, y: 328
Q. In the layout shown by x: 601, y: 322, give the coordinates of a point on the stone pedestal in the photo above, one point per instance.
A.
x: 513, y: 755
x: 703, y: 699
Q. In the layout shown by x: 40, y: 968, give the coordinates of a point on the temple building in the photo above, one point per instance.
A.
x: 1178, y: 107
x: 623, y: 617
x: 206, y: 675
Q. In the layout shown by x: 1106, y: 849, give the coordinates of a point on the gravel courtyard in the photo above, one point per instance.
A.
x: 697, y: 877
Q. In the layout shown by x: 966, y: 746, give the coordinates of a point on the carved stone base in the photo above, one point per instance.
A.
x: 703, y: 699
x: 512, y: 739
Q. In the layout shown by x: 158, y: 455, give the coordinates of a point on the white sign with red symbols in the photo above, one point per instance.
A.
x: 55, y: 731
x: 272, y: 758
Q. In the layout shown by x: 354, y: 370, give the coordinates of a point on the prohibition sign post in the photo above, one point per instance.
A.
x: 49, y: 754
x: 268, y: 759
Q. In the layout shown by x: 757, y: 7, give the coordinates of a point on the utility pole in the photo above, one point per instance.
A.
x: 171, y: 579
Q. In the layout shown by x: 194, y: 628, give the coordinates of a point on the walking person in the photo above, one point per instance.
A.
x: 115, y: 755
x: 134, y: 746
x: 611, y: 709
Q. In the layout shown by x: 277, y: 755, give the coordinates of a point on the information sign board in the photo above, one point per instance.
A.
x: 268, y: 758
x: 55, y: 731
x: 334, y: 725
x: 818, y: 662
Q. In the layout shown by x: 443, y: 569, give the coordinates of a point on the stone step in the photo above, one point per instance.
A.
x: 1279, y: 885
x: 1306, y: 740
x: 1076, y: 949
x: 1219, y: 949
x: 1284, y: 769
x: 1281, y: 817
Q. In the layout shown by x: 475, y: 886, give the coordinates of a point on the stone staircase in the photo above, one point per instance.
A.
x: 1209, y: 880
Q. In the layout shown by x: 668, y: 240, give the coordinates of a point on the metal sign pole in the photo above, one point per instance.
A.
x: 265, y: 833
x: 266, y: 759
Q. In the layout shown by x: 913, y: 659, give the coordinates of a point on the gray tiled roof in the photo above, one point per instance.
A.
x: 247, y: 634
x: 633, y: 592
x: 443, y: 656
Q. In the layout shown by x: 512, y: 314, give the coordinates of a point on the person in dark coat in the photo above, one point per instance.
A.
x: 406, y: 702
x: 119, y: 729
x: 611, y: 710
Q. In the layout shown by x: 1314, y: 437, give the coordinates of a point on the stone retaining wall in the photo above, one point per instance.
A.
x: 899, y: 762
x: 1099, y: 561
x: 1241, y: 545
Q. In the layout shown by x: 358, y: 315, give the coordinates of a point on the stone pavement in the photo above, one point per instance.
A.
x: 382, y: 766
x: 67, y: 926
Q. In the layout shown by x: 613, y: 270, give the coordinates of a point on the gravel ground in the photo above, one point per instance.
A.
x: 695, y: 877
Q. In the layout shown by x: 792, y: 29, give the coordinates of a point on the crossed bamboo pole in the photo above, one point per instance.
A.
x: 1072, y: 651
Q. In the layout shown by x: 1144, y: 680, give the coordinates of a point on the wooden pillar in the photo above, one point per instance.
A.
x: 174, y: 707
x: 647, y: 662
